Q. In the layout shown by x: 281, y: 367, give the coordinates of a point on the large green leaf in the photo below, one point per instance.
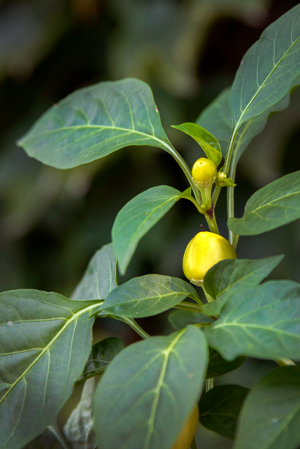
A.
x: 270, y: 416
x: 230, y: 276
x: 138, y: 216
x: 220, y: 407
x: 252, y: 128
x: 217, y: 118
x: 149, y: 390
x: 268, y: 70
x: 101, y: 356
x: 275, y: 205
x: 147, y: 295
x: 262, y: 322
x: 45, y: 342
x: 95, y: 121
x: 99, y: 278
x: 204, y: 138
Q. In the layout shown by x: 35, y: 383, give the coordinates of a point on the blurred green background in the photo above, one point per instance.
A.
x: 53, y: 221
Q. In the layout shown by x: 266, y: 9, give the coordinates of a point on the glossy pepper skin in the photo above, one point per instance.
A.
x: 204, y: 172
x: 203, y: 252
x: 188, y: 431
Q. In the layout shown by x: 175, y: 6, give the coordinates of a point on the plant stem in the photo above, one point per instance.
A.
x: 188, y: 306
x: 183, y: 165
x: 209, y: 384
x: 195, y: 203
x: 285, y: 362
x: 235, y: 240
x: 212, y: 224
x: 134, y: 325
x: 230, y: 205
x: 207, y: 296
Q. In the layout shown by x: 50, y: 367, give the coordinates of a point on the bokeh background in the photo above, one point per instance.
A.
x: 52, y: 221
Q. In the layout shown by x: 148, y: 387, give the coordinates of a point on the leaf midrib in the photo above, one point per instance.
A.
x: 243, y: 112
x: 52, y: 341
x: 246, y: 276
x: 255, y: 326
x: 117, y: 128
x: 271, y: 203
x: 166, y: 354
x: 156, y: 298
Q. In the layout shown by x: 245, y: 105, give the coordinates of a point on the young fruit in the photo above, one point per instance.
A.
x: 188, y: 431
x: 204, y: 251
x: 204, y: 172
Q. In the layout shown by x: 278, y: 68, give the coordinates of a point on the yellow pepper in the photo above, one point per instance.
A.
x: 203, y: 252
x: 188, y: 431
x: 204, y: 172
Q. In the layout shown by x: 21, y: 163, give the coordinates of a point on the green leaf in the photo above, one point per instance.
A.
x: 217, y: 366
x: 94, y: 122
x: 45, y: 339
x: 217, y: 119
x: 138, y: 216
x: 182, y: 318
x: 149, y: 390
x: 271, y: 413
x: 262, y: 322
x: 205, y: 139
x: 147, y: 295
x: 212, y: 308
x: 252, y: 128
x: 99, y: 278
x: 228, y: 277
x: 79, y: 429
x: 275, y: 205
x: 101, y: 356
x: 220, y: 407
x: 268, y: 69
x: 231, y: 276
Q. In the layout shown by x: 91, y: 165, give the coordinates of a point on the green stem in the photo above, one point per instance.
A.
x: 230, y: 206
x: 183, y: 165
x: 212, y: 223
x: 227, y: 163
x: 192, y: 199
x: 188, y: 306
x: 198, y: 301
x: 209, y: 384
x: 285, y: 362
x: 134, y: 325
x: 205, y: 324
x: 207, y: 296
x: 235, y: 240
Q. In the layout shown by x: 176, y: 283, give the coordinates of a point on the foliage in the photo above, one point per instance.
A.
x: 147, y: 390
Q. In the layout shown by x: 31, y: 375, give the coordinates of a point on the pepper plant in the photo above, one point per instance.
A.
x: 141, y: 396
